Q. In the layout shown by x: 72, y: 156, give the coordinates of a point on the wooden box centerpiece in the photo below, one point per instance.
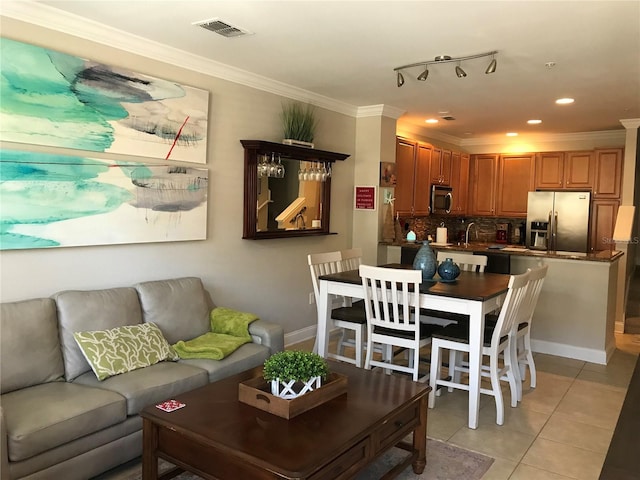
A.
x: 292, y: 383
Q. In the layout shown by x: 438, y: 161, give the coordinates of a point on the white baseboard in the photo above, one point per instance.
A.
x: 571, y: 351
x: 301, y: 335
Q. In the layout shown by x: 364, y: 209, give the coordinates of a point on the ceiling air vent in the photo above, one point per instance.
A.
x: 222, y: 28
x: 448, y: 117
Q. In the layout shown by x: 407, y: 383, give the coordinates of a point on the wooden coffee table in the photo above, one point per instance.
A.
x: 218, y: 437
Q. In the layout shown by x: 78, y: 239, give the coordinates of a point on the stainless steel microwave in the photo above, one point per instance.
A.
x: 441, y: 199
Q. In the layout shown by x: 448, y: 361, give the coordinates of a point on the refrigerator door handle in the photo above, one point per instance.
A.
x: 551, y: 229
x: 554, y: 237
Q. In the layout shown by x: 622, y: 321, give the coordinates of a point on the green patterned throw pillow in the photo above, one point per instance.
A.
x: 122, y: 349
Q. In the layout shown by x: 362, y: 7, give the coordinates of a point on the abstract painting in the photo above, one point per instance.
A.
x: 49, y: 200
x: 54, y: 99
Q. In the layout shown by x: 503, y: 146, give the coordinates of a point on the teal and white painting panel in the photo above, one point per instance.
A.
x: 51, y: 200
x: 54, y: 99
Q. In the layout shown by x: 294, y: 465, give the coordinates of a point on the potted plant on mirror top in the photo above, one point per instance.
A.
x: 293, y: 373
x: 298, y: 124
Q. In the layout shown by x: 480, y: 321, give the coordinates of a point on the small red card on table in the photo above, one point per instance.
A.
x: 170, y: 405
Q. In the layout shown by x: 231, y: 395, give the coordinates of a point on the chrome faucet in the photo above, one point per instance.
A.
x: 299, y: 216
x: 466, y: 235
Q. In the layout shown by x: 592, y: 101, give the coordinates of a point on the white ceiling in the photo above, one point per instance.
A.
x: 346, y: 51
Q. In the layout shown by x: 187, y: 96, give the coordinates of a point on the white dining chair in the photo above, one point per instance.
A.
x: 392, y: 306
x: 347, y: 317
x: 523, y: 353
x: 497, y: 340
x: 466, y: 261
x: 351, y: 258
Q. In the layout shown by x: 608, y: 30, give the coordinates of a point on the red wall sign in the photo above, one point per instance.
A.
x: 365, y: 198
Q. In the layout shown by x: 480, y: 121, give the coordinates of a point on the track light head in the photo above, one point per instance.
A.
x: 423, y: 76
x: 460, y: 72
x: 492, y: 66
x: 400, y: 79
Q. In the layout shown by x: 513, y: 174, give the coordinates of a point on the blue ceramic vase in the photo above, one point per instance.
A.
x: 448, y: 270
x: 426, y: 261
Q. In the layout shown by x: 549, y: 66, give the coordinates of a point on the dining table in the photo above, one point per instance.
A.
x: 471, y: 293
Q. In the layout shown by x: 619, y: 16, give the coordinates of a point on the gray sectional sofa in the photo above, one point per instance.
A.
x: 57, y: 420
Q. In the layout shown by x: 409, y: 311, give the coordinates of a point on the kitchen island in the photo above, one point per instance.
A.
x: 575, y: 315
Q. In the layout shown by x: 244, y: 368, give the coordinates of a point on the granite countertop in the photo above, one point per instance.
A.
x: 475, y: 247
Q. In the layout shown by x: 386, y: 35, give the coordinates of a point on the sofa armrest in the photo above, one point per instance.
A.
x: 268, y: 334
x: 4, y: 453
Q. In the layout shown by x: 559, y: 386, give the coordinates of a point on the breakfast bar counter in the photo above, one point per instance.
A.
x: 576, y: 312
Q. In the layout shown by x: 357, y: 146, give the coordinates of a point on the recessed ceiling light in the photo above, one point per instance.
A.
x: 431, y: 120
x: 534, y: 122
x: 512, y: 134
x: 564, y: 101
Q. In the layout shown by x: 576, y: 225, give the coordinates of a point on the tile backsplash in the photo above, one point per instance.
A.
x: 456, y: 226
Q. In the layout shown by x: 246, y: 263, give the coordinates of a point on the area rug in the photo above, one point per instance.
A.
x: 444, y: 462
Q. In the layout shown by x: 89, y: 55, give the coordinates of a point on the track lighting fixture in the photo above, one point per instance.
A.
x: 423, y: 76
x: 460, y: 73
x: 492, y: 66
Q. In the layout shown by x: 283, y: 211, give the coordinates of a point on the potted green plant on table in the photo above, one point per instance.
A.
x: 298, y: 124
x: 293, y: 373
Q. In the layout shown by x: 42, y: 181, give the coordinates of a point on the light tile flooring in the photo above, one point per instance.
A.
x: 561, y: 429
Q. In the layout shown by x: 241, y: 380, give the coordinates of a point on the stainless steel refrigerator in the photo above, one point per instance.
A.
x: 558, y: 221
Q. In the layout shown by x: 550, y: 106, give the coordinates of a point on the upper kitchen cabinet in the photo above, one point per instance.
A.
x: 413, y: 161
x: 564, y: 170
x: 608, y: 173
x: 441, y: 166
x: 484, y: 176
x: 459, y: 182
x: 515, y: 181
x: 500, y: 184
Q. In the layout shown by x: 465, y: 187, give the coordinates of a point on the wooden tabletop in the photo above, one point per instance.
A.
x: 468, y: 286
x: 215, y: 416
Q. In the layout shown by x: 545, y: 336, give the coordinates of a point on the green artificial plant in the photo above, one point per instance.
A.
x: 295, y: 365
x: 298, y: 121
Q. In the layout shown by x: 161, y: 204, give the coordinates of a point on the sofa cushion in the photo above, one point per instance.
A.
x: 123, y: 349
x: 150, y: 385
x: 248, y: 356
x: 180, y: 307
x: 45, y: 416
x: 79, y: 311
x: 29, y: 345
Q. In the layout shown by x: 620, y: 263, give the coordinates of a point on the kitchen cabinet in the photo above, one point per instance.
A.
x: 460, y: 182
x: 412, y: 191
x: 483, y: 174
x: 603, y: 221
x: 515, y: 181
x: 564, y: 170
x: 608, y: 173
x: 500, y: 184
x: 441, y: 166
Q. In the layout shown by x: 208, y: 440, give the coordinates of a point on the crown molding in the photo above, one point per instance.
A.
x: 379, y: 111
x: 52, y: 18
x: 604, y: 136
x: 630, y: 123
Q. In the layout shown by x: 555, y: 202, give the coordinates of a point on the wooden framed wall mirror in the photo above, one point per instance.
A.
x: 287, y: 190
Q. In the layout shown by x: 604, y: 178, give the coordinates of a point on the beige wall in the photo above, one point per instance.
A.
x: 268, y: 277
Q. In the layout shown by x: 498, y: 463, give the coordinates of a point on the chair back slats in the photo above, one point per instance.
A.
x: 390, y: 298
x: 351, y: 259
x: 323, y: 264
x: 512, y: 311
x: 466, y: 261
x: 536, y: 279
